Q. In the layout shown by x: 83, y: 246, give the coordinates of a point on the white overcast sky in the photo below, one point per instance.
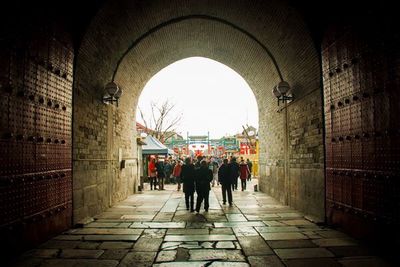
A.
x: 210, y: 96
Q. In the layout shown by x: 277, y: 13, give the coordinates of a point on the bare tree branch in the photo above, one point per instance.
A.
x: 164, y: 121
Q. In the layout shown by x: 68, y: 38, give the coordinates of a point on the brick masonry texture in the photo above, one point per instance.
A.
x: 208, y: 30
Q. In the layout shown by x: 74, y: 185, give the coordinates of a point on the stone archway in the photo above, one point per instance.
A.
x: 130, y: 41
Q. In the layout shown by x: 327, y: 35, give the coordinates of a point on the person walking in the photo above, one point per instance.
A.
x: 215, y: 173
x: 177, y: 173
x: 167, y: 171
x: 188, y: 179
x: 234, y: 172
x: 160, y: 174
x: 203, y: 178
x: 250, y: 164
x: 244, y: 173
x: 224, y: 179
x: 152, y: 173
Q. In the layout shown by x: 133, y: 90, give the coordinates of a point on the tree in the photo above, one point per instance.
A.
x: 162, y: 122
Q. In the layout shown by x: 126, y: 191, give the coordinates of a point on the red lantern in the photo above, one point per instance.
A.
x: 194, y: 146
x: 202, y: 146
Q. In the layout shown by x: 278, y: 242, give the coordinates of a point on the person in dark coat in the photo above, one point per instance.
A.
x: 224, y: 179
x: 203, y: 178
x: 188, y: 179
x: 250, y: 164
x: 234, y: 172
x: 244, y: 173
x: 160, y: 174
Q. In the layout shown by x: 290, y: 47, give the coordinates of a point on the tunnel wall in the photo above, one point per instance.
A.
x: 104, y: 136
x: 36, y: 74
x: 262, y: 48
x: 292, y: 151
x: 361, y: 86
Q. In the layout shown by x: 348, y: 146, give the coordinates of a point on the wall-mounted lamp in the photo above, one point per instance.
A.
x: 281, y: 90
x: 112, y: 93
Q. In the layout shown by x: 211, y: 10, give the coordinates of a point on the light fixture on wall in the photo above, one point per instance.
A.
x: 112, y: 93
x: 281, y: 92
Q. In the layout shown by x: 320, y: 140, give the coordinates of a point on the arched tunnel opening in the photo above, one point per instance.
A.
x: 332, y: 153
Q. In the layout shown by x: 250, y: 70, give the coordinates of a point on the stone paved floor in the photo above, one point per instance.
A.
x: 154, y: 229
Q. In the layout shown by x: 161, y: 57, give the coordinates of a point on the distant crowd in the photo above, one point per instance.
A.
x: 198, y: 175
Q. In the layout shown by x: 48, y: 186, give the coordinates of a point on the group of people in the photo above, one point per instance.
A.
x: 198, y: 176
x: 163, y: 171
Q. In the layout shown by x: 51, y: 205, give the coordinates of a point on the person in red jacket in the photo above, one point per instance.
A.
x: 152, y: 173
x: 244, y: 173
x: 177, y: 173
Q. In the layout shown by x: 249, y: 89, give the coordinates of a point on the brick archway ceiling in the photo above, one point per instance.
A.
x: 264, y: 42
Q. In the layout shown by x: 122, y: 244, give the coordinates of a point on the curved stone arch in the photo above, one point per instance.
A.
x: 180, y: 19
x: 272, y: 32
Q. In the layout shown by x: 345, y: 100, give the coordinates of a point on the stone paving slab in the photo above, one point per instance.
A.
x: 138, y: 259
x: 283, y: 236
x: 291, y: 244
x: 154, y: 233
x: 364, y: 262
x: 88, y: 245
x: 158, y: 225
x: 330, y: 234
x: 277, y: 229
x: 334, y: 242
x: 297, y: 222
x: 226, y: 245
x: 60, y: 244
x: 170, y: 245
x: 114, y: 254
x: 81, y: 253
x: 165, y: 256
x: 79, y: 263
x: 201, y: 231
x: 290, y: 215
x: 202, y: 264
x: 274, y: 223
x: 192, y: 225
x: 228, y: 264
x: 134, y: 217
x: 42, y: 253
x: 68, y: 237
x: 238, y: 224
x: 164, y: 217
x: 254, y: 246
x: 350, y: 251
x: 218, y: 254
x: 148, y: 244
x: 116, y: 245
x: 322, y: 262
x: 105, y: 231
x: 262, y: 217
x: 111, y: 237
x: 233, y: 217
x: 182, y: 264
x: 221, y: 231
x: 265, y: 261
x: 107, y: 225
x: 199, y: 238
x: 245, y: 231
x: 300, y: 253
